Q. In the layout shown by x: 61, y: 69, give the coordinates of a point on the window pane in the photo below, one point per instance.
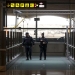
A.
x: 21, y: 22
x: 28, y: 23
x: 51, y: 33
x: 30, y: 31
x: 52, y: 22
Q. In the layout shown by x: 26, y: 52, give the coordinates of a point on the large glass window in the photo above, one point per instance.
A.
x: 51, y: 33
x: 21, y: 22
x: 30, y: 31
x: 27, y: 23
x: 10, y: 21
x: 45, y: 22
x: 52, y: 22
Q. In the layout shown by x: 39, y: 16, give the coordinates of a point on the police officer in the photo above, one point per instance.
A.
x: 43, y: 46
x: 27, y: 43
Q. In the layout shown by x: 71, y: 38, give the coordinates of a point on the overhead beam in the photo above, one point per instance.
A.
x: 45, y: 13
x: 47, y: 10
x: 17, y: 11
x: 38, y: 28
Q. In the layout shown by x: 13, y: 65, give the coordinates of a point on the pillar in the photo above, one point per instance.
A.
x: 74, y: 22
x: 2, y: 36
x: 36, y: 22
x: 1, y: 17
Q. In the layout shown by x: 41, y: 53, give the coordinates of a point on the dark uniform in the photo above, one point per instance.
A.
x: 28, y: 42
x: 43, y: 46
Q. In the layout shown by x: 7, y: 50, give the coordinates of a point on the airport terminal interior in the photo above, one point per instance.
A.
x: 54, y: 18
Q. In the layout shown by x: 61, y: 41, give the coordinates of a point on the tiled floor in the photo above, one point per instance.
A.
x: 51, y: 66
x: 51, y: 63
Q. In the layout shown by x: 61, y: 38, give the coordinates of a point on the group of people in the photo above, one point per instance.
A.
x: 28, y: 42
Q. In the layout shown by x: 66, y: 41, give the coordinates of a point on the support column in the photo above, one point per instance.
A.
x: 36, y: 30
x: 1, y: 17
x: 70, y: 29
x: 74, y: 36
x: 23, y: 27
x: 2, y: 36
x: 36, y: 21
x: 6, y: 18
x: 15, y: 21
x: 36, y: 25
x: 67, y: 42
x: 74, y: 22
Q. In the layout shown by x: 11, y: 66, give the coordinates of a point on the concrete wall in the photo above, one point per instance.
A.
x: 53, y: 49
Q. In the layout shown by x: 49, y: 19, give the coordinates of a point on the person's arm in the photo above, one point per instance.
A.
x: 23, y: 42
x: 45, y: 41
x: 32, y: 41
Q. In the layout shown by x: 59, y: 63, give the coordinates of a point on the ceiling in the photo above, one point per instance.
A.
x: 54, y: 7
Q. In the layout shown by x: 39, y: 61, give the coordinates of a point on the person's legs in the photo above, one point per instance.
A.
x: 30, y: 52
x: 41, y: 50
x: 26, y: 48
x: 44, y: 53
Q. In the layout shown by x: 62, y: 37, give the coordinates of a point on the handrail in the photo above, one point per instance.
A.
x: 71, y: 46
x: 2, y: 49
x: 10, y: 47
x: 14, y: 46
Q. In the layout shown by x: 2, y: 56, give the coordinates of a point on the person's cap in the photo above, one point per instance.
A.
x: 27, y: 33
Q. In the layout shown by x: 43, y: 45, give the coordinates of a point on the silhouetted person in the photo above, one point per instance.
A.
x: 27, y: 43
x: 43, y: 46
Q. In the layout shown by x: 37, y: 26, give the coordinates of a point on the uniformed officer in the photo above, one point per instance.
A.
x: 43, y: 46
x: 27, y: 43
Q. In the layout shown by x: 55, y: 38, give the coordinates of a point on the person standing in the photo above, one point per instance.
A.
x: 43, y: 46
x: 28, y: 43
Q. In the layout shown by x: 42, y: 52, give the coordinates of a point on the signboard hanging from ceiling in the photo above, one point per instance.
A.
x: 26, y: 4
